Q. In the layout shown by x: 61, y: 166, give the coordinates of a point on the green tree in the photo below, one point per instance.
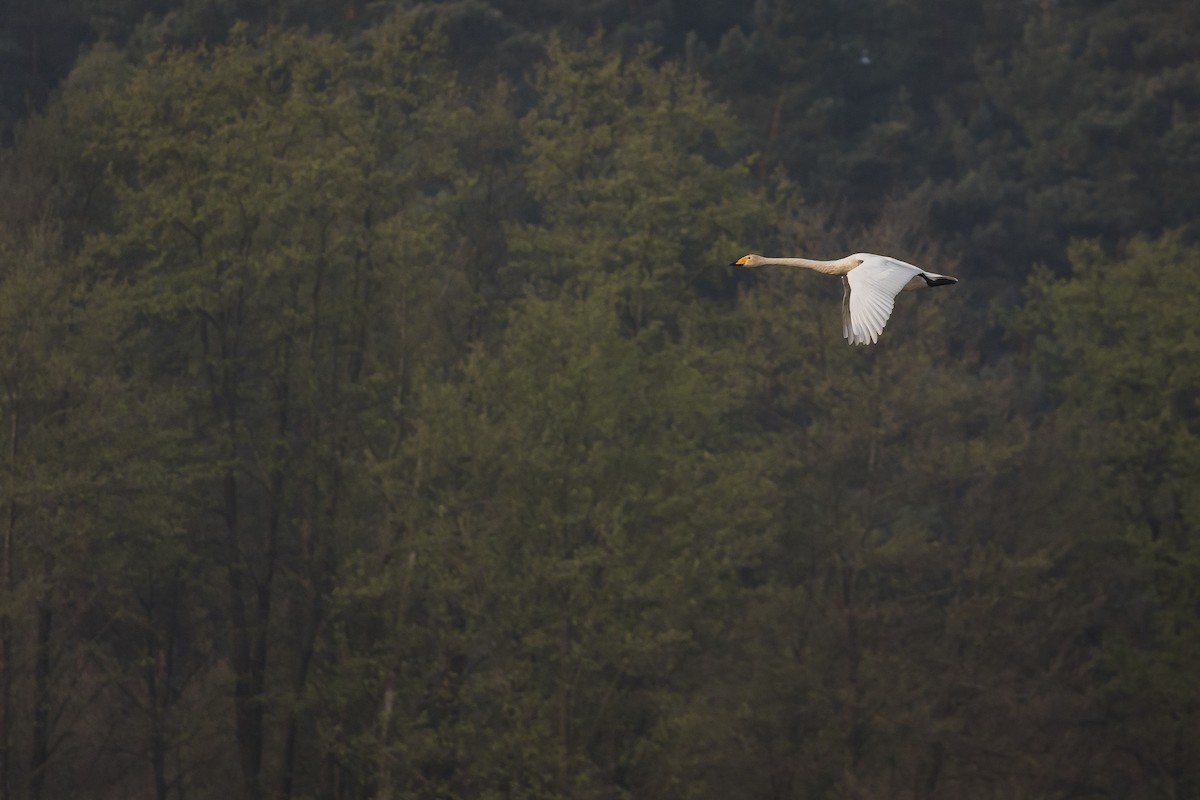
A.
x: 277, y: 202
x: 1087, y: 126
x: 636, y: 190
x: 1115, y: 343
x: 567, y: 539
x: 86, y: 501
x: 900, y: 521
x: 572, y: 547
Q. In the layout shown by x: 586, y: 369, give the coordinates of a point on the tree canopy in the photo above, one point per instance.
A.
x: 381, y: 418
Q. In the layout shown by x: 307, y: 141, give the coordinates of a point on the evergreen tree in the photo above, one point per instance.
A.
x: 1115, y: 343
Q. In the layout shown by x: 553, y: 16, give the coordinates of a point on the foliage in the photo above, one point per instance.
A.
x: 380, y: 417
x: 1119, y: 338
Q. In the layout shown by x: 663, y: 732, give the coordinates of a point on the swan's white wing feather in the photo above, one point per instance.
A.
x: 845, y: 307
x: 873, y: 287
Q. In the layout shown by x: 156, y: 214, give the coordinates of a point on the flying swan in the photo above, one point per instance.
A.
x: 870, y: 284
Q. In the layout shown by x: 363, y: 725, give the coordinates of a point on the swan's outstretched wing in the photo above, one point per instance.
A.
x: 873, y: 286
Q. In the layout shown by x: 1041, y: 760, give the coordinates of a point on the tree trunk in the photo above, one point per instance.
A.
x: 40, y: 751
x: 248, y: 687
x: 249, y: 623
x: 6, y: 632
x: 308, y: 646
x: 160, y: 671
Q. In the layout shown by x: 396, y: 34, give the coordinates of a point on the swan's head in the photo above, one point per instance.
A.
x: 751, y: 260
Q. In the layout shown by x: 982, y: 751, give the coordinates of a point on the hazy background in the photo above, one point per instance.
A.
x: 379, y: 417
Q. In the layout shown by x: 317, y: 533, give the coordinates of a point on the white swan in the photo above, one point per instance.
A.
x: 870, y: 284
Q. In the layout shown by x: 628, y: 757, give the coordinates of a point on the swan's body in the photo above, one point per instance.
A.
x: 870, y: 284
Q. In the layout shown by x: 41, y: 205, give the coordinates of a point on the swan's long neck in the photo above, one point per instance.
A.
x: 839, y: 267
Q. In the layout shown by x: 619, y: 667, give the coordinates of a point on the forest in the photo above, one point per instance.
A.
x: 380, y: 416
